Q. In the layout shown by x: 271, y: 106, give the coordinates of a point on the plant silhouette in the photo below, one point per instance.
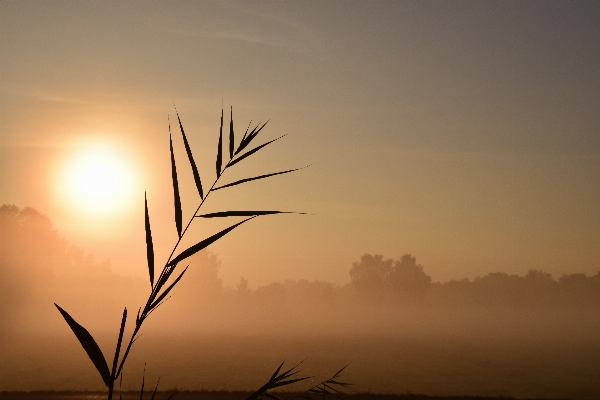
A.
x: 162, y: 286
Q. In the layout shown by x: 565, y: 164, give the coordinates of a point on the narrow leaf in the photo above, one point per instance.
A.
x: 257, y: 177
x: 155, y: 389
x: 191, y: 158
x: 177, y: 200
x: 89, y: 345
x: 277, y: 371
x: 243, y: 213
x: 167, y: 290
x: 118, y: 348
x: 243, y: 137
x: 149, y: 245
x: 240, y: 158
x: 231, y: 136
x: 220, y: 148
x: 164, y: 277
x: 339, y: 372
x: 289, y: 382
x: 205, y: 243
x: 143, y: 382
x: 250, y: 136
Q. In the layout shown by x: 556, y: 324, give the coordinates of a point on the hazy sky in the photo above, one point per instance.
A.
x: 465, y: 133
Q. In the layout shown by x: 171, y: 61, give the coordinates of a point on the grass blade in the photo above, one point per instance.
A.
x: 191, y: 158
x: 89, y: 345
x: 243, y: 214
x: 176, y: 198
x: 289, y: 382
x: 143, y: 382
x: 231, y: 136
x: 206, y: 242
x: 167, y: 290
x: 337, y: 374
x: 276, y: 371
x: 155, y: 389
x: 220, y: 148
x: 257, y: 177
x: 243, y: 137
x: 240, y: 158
x: 246, y: 140
x: 149, y: 244
x: 118, y: 348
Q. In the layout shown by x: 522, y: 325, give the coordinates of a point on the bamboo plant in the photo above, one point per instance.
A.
x: 162, y: 286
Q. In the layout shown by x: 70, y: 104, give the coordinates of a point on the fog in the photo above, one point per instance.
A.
x: 505, y: 335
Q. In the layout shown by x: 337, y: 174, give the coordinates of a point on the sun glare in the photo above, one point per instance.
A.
x: 97, y: 181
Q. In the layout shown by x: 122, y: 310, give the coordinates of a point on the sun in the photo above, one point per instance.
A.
x: 98, y: 181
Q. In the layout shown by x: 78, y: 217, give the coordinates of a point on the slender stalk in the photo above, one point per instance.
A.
x: 140, y: 319
x: 113, y: 376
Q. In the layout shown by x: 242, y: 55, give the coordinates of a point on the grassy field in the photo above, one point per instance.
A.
x: 206, y: 395
x: 431, y: 366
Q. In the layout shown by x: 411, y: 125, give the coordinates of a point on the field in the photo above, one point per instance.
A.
x: 385, y: 365
x: 214, y: 395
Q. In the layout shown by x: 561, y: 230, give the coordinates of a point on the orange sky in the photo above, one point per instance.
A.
x: 463, y: 133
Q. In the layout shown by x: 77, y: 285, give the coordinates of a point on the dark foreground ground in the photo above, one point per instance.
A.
x: 208, y: 395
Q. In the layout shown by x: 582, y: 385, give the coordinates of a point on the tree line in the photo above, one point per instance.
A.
x: 36, y: 263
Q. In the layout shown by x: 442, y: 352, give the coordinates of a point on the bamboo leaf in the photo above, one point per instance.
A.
x: 167, y: 290
x: 163, y: 278
x: 231, y: 136
x: 176, y: 198
x: 191, y: 158
x: 143, y: 382
x: 243, y: 137
x: 149, y: 245
x: 118, y: 348
x: 205, y: 243
x: 337, y: 374
x: 155, y: 389
x: 289, y: 382
x: 254, y: 150
x: 277, y: 371
x: 223, y: 214
x: 257, y: 177
x: 90, y: 346
x: 220, y: 148
x: 250, y: 136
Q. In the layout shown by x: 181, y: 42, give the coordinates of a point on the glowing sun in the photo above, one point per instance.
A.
x: 98, y: 181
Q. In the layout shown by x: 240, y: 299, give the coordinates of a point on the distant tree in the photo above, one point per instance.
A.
x: 371, y: 274
x: 579, y: 289
x: 30, y: 252
x: 243, y: 289
x: 378, y: 278
x: 36, y: 262
x: 407, y: 279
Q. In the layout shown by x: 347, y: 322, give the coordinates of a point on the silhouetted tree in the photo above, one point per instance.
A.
x: 371, y: 274
x: 407, y: 279
x: 377, y: 278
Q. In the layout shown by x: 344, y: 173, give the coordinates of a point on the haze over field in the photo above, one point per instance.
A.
x: 450, y: 241
x: 527, y: 336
